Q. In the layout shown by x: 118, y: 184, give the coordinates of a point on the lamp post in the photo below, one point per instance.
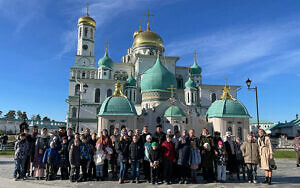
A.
x: 79, y: 92
x: 248, y: 82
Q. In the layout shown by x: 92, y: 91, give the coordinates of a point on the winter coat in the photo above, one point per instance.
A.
x: 135, y: 151
x: 250, y: 152
x: 21, y: 149
x: 99, y: 157
x: 51, y: 156
x: 123, y: 151
x: 265, y: 150
x: 296, y: 144
x: 196, y: 140
x: 159, y: 138
x: 155, y: 155
x: 42, y: 142
x: 168, y: 150
x: 207, y: 158
x: 147, y: 147
x: 239, y: 154
x: 195, y: 157
x: 85, y: 151
x: 74, y: 155
x: 144, y: 135
x: 183, y: 152
x: 221, y: 157
x: 232, y: 162
x: 64, y: 155
x: 206, y: 139
x: 38, y: 161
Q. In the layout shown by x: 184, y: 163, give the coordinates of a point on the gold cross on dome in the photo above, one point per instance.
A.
x: 172, y: 88
x: 106, y: 45
x: 225, y: 81
x: 87, y: 8
x: 148, y: 19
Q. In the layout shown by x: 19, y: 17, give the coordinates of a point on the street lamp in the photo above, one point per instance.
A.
x: 79, y: 92
x: 248, y: 82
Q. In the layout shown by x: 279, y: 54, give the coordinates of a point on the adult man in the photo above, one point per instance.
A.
x: 42, y: 141
x: 193, y: 138
x: 92, y: 167
x: 296, y: 144
x: 145, y: 133
x: 115, y: 139
x: 87, y: 134
x: 159, y: 136
x: 206, y: 138
x: 4, y: 139
x: 251, y: 157
x: 70, y: 135
x: 230, y: 147
x: 62, y: 132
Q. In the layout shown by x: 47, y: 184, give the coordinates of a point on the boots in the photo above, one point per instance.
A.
x: 266, y: 180
x: 270, y: 181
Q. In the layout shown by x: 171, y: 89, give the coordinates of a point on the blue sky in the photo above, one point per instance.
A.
x: 235, y: 39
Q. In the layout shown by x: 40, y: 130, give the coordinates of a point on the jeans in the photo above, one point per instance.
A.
x: 19, y: 167
x: 122, y: 169
x: 221, y: 169
x: 146, y: 170
x: 84, y: 163
x: 76, y: 170
x: 135, y: 169
x: 251, y: 171
x: 99, y: 171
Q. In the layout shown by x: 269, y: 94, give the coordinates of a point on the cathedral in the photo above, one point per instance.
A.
x: 146, y: 88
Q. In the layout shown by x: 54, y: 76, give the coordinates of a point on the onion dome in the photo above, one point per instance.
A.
x: 131, y: 82
x: 147, y: 37
x: 87, y: 19
x: 105, y: 61
x: 174, y: 111
x: 195, y: 68
x: 190, y: 83
x: 117, y: 104
x: 158, y: 78
x: 227, y: 106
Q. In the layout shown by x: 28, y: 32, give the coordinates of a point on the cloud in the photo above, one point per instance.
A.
x: 238, y: 48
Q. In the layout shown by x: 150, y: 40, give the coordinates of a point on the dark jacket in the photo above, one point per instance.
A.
x: 21, y: 149
x: 136, y: 151
x: 207, y: 159
x: 221, y: 157
x: 123, y: 150
x: 51, y: 156
x: 155, y: 155
x: 159, y: 138
x: 183, y: 150
x: 43, y: 142
x: 64, y: 155
x: 74, y: 155
x: 207, y: 139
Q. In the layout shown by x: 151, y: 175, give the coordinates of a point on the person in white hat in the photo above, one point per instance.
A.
x: 146, y: 162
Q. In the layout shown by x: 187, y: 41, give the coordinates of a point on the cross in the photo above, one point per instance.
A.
x: 141, y: 22
x: 195, y: 56
x: 87, y: 8
x: 172, y: 88
x: 148, y: 19
x: 225, y: 81
x: 106, y: 45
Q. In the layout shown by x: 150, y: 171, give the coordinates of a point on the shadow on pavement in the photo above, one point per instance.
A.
x: 6, y: 162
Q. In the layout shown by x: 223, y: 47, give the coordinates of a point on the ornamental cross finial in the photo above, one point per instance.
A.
x: 141, y: 22
x: 106, y: 45
x: 172, y: 88
x: 195, y: 56
x: 225, y: 81
x: 87, y: 8
x: 148, y: 19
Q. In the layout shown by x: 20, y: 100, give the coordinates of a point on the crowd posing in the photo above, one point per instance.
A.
x: 161, y: 157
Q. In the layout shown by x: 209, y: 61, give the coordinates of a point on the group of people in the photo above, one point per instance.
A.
x: 162, y: 157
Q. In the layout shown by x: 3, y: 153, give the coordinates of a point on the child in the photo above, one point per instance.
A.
x: 168, y: 150
x: 64, y: 159
x: 221, y: 162
x: 207, y: 163
x: 74, y: 158
x: 21, y: 149
x: 39, y: 166
x: 51, y: 160
x: 99, y: 158
x: 195, y: 160
x: 155, y: 160
x: 85, y: 158
x: 135, y: 159
x: 146, y: 164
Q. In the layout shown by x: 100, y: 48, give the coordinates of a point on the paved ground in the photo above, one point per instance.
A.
x: 287, y: 175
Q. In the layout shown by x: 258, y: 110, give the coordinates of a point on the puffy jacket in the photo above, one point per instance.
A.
x: 85, y: 151
x: 250, y: 151
x: 74, y: 155
x: 42, y: 142
x: 183, y: 150
x: 136, y: 151
x: 51, y: 156
x: 21, y: 149
x: 99, y: 157
x: 123, y: 150
x: 168, y: 150
x: 155, y: 155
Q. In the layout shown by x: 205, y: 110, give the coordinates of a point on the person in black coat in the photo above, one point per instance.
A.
x: 123, y: 154
x: 64, y: 159
x: 159, y: 136
x: 74, y: 158
x: 136, y: 154
x: 145, y: 133
x: 155, y: 158
x: 230, y: 147
x: 183, y: 149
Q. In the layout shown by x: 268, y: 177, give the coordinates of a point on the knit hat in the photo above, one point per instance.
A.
x: 169, y: 130
x: 148, y: 137
x: 228, y: 133
x: 154, y: 144
x: 220, y: 143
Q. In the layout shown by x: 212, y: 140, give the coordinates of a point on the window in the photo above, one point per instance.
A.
x: 188, y: 97
x: 179, y: 82
x: 158, y: 120
x: 91, y: 33
x: 229, y: 129
x: 77, y: 89
x: 74, y: 112
x: 192, y: 97
x: 176, y: 128
x: 104, y: 73
x: 80, y: 31
x: 213, y: 97
x: 109, y: 93
x: 129, y: 94
x: 240, y: 133
x: 97, y: 95
x: 85, y: 31
x: 133, y: 95
x: 83, y: 75
x: 186, y: 120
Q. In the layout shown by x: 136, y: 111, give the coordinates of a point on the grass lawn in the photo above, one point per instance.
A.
x: 284, y: 154
x: 7, y: 152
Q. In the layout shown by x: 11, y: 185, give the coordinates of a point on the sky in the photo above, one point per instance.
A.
x: 235, y: 39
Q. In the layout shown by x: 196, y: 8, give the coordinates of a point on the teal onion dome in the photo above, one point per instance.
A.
x: 105, y: 61
x: 174, y: 111
x: 190, y: 83
x: 130, y: 82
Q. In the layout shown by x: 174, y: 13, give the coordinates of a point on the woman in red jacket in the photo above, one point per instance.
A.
x: 168, y: 150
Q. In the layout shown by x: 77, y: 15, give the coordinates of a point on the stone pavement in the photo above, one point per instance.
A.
x: 287, y: 175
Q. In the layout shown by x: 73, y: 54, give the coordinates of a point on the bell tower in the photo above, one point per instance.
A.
x: 86, y: 38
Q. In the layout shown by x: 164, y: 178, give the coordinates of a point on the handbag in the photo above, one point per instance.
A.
x: 272, y: 164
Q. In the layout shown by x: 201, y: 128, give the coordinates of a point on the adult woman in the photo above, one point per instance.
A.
x: 123, y: 152
x: 266, y: 155
x: 106, y: 142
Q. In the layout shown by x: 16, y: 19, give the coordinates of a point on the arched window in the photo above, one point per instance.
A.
x: 176, y: 128
x: 83, y: 75
x: 133, y: 95
x: 109, y: 93
x: 91, y: 33
x: 192, y: 97
x: 85, y: 31
x: 80, y: 31
x: 188, y: 97
x: 240, y: 133
x: 97, y: 95
x: 229, y: 129
x: 129, y: 94
x: 74, y: 112
x: 213, y: 97
x: 158, y: 120
x: 77, y: 89
x: 179, y: 82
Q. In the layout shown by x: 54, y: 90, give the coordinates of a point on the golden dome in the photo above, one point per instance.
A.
x: 87, y: 20
x: 147, y: 37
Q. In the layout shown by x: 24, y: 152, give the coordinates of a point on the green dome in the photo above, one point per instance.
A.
x: 195, y: 68
x: 117, y: 106
x: 174, y: 111
x: 130, y: 82
x: 190, y: 83
x: 158, y: 78
x: 105, y: 61
x: 227, y: 108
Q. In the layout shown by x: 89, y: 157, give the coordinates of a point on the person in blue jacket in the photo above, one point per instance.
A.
x: 51, y: 160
